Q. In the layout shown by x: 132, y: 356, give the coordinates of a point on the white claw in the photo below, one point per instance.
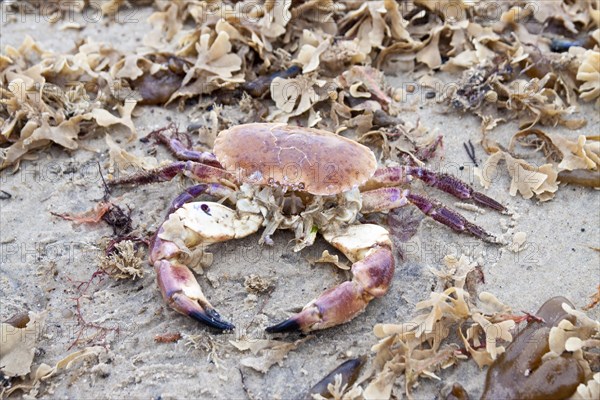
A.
x: 208, y: 222
x: 356, y: 241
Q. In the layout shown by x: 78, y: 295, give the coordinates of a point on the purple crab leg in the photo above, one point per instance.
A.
x: 448, y: 217
x: 391, y: 176
x: 454, y: 186
x: 388, y: 198
x: 191, y: 193
x: 183, y: 152
x: 200, y: 172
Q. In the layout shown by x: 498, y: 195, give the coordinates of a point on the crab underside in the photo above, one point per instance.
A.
x: 274, y: 177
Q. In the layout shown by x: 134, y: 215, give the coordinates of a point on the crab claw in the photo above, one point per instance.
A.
x: 182, y: 292
x: 185, y: 230
x: 371, y: 278
x: 335, y: 306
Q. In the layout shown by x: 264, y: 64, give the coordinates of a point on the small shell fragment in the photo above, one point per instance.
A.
x: 518, y: 242
x: 491, y: 96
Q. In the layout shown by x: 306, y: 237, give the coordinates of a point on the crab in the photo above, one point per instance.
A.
x: 276, y: 176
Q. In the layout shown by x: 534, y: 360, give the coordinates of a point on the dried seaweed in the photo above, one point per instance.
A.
x: 508, y: 73
x: 266, y: 352
x: 18, y: 349
x: 257, y: 284
x: 17, y: 354
x: 44, y: 371
x: 326, y: 257
x: 224, y: 52
x: 119, y: 220
x: 207, y: 344
x: 123, y: 261
x: 168, y: 337
x: 526, y: 179
x: 416, y: 349
x: 563, y: 154
x: 595, y: 300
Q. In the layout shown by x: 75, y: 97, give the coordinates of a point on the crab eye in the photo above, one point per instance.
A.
x: 205, y: 208
x: 329, y: 205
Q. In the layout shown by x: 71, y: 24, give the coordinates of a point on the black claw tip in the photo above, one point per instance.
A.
x: 289, y: 325
x: 212, y: 319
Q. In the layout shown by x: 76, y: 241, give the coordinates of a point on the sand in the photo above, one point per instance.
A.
x: 43, y: 256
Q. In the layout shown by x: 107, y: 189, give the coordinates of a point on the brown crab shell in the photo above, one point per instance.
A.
x: 296, y: 158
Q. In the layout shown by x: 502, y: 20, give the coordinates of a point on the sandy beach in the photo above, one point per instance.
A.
x: 44, y: 258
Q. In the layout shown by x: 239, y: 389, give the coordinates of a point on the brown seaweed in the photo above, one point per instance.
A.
x: 581, y: 177
x: 261, y: 86
x: 19, y: 320
x: 157, y: 88
x: 520, y: 372
x: 454, y: 392
x: 349, y: 371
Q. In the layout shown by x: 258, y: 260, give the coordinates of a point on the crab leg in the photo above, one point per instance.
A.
x: 213, y: 189
x: 383, y: 199
x: 369, y: 248
x: 200, y: 172
x: 182, y: 152
x: 448, y: 217
x: 183, y: 234
x: 388, y: 198
x: 393, y: 176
